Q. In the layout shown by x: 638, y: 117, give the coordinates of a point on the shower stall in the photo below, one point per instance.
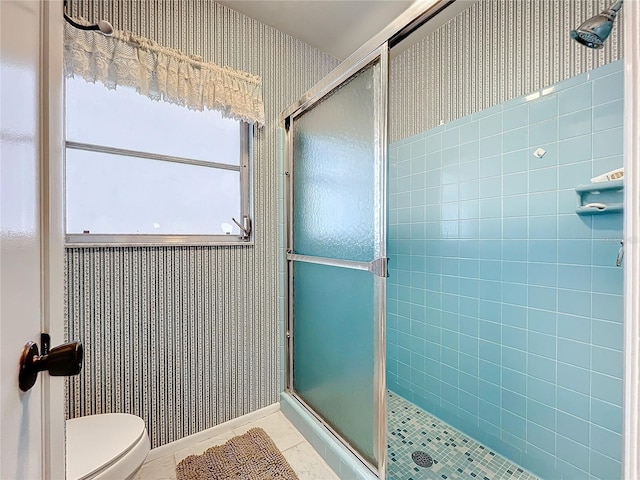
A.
x: 454, y: 294
x: 337, y: 258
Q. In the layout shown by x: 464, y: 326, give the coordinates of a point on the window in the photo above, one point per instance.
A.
x: 140, y: 171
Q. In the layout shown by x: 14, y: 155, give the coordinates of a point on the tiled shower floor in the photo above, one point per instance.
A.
x: 455, y: 456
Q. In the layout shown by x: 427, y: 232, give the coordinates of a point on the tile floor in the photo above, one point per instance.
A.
x: 454, y: 455
x: 410, y: 428
x: 298, y: 452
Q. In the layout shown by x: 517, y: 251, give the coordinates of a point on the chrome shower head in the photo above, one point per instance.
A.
x: 594, y: 31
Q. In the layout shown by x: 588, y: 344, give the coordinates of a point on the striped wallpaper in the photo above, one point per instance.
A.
x: 492, y: 52
x: 187, y: 337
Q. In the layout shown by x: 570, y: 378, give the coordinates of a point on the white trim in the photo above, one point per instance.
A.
x: 174, y: 447
x: 52, y: 229
x: 631, y: 450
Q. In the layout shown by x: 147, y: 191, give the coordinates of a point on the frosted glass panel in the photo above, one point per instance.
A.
x: 333, y: 349
x: 334, y: 172
x: 123, y: 118
x: 111, y: 194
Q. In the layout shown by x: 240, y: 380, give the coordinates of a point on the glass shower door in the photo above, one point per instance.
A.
x: 337, y: 261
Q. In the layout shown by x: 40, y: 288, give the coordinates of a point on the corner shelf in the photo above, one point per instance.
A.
x: 600, y: 198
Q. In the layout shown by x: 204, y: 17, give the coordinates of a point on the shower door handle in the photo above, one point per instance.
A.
x: 620, y: 255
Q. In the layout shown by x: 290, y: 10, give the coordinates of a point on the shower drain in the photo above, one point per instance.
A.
x: 422, y: 459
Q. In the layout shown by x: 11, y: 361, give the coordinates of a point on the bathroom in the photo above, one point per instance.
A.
x: 503, y: 306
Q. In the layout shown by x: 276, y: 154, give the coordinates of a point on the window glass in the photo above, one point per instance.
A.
x: 114, y: 194
x: 123, y: 118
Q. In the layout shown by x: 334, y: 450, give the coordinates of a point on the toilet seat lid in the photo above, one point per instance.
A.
x: 96, y: 441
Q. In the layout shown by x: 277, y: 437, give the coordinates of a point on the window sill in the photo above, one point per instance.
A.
x: 95, y: 240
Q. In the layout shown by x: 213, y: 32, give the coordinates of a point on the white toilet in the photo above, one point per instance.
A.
x: 108, y: 446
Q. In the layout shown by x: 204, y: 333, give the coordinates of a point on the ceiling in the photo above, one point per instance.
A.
x: 337, y: 27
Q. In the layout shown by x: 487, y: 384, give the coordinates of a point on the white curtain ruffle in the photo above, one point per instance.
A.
x: 162, y: 73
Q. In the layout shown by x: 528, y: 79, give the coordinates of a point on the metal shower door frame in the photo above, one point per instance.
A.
x: 377, y: 266
x: 376, y: 48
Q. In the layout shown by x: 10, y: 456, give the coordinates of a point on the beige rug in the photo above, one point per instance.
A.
x: 252, y: 456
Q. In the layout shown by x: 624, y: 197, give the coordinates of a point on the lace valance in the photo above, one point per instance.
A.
x: 162, y: 73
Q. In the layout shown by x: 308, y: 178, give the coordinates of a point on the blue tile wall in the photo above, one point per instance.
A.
x: 504, y: 306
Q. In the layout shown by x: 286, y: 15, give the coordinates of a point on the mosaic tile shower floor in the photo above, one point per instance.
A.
x: 454, y: 455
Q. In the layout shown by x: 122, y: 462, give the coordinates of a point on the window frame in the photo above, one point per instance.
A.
x: 81, y: 240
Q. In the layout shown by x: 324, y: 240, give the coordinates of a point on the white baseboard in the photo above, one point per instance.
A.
x: 173, y: 447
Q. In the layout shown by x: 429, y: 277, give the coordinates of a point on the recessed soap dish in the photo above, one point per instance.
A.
x: 599, y: 198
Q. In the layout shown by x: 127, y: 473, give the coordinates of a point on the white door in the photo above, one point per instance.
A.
x: 32, y: 422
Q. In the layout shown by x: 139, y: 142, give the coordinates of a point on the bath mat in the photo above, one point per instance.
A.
x: 252, y: 456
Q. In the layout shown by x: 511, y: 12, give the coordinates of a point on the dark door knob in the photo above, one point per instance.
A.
x: 63, y: 360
